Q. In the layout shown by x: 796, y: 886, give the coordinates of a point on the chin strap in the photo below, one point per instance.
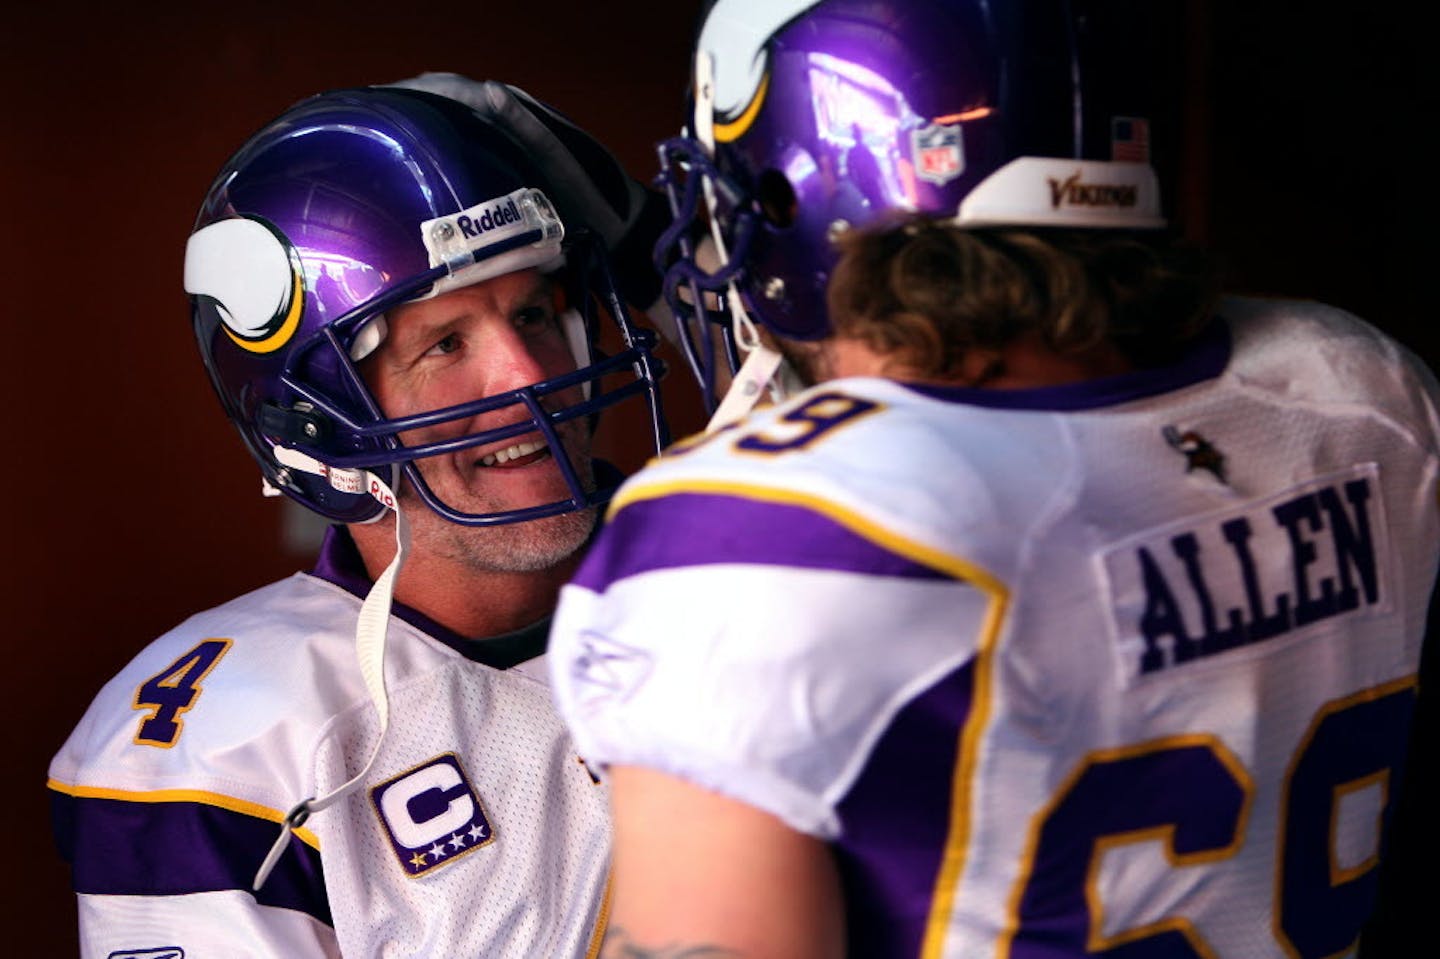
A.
x: 370, y: 632
x: 756, y: 374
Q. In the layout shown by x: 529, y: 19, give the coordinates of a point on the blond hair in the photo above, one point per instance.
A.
x: 925, y: 292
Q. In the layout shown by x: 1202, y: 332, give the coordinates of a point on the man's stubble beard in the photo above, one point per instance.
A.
x: 525, y: 547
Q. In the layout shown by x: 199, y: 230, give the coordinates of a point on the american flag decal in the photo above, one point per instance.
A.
x: 1130, y: 139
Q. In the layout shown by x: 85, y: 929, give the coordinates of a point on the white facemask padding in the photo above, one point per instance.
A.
x: 574, y: 326
x: 369, y: 337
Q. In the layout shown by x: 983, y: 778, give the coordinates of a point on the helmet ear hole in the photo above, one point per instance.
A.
x: 777, y: 199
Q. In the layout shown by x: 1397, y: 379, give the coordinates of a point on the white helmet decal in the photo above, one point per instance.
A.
x: 245, y: 268
x: 734, y: 33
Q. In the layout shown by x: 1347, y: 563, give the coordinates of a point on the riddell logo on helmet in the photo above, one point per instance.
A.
x: 1071, y: 192
x: 492, y: 219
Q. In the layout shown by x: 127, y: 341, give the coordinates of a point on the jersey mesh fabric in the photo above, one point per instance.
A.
x: 1182, y: 609
x: 533, y: 888
x: 283, y: 714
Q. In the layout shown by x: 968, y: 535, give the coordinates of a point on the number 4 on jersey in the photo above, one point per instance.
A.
x: 172, y: 691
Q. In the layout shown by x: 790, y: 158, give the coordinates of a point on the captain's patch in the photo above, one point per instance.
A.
x: 431, y: 815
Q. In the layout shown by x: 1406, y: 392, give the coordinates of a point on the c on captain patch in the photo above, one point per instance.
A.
x: 431, y: 815
x: 1259, y: 573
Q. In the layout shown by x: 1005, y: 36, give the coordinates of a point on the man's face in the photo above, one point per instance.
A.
x: 471, y: 343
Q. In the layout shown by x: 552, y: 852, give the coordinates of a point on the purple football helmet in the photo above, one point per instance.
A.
x: 350, y: 203
x: 815, y: 116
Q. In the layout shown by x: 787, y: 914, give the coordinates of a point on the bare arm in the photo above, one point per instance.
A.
x: 701, y: 876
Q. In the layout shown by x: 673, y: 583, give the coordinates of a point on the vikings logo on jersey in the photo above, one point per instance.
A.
x: 250, y: 273
x: 1199, y: 452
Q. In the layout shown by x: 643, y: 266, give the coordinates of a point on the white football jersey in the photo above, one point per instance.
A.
x: 476, y: 833
x: 1120, y: 663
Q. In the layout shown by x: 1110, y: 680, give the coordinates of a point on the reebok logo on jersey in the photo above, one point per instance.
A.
x: 606, y: 670
x: 163, y: 952
x: 431, y: 815
x: 1255, y: 574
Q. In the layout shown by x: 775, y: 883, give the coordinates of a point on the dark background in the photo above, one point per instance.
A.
x: 131, y: 502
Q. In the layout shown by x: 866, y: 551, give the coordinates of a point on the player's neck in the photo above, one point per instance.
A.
x: 1024, y: 363
x: 479, y: 604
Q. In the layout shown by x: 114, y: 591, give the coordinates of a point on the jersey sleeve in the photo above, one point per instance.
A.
x: 170, y: 791
x: 171, y: 869
x: 219, y: 924
x: 746, y: 640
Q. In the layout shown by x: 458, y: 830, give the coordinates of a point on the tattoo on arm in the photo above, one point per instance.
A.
x: 620, y: 945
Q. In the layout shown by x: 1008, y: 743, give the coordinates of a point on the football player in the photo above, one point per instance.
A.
x: 400, y: 313
x: 1073, y: 609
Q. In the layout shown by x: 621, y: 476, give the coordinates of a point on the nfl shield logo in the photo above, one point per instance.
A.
x: 938, y: 154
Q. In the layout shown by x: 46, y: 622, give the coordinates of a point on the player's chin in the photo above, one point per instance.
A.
x: 533, y: 545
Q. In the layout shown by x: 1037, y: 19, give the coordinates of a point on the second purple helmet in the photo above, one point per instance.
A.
x: 810, y: 118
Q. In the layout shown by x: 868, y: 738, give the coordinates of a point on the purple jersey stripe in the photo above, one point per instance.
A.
x: 122, y: 848
x: 699, y: 529
x: 895, y: 821
x: 1206, y: 359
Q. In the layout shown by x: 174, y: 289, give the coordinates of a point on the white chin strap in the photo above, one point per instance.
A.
x: 762, y: 364
x: 758, y: 373
x: 370, y: 632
